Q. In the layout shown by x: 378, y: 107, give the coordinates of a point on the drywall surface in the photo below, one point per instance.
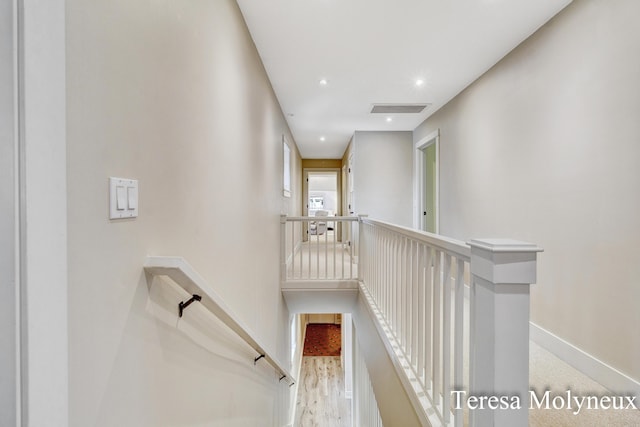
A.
x: 382, y: 186
x: 393, y: 403
x: 544, y: 148
x: 173, y: 94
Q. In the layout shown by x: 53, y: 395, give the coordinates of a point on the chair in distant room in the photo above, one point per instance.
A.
x: 317, y: 228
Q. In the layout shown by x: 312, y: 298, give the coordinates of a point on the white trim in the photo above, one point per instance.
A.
x: 418, y: 181
x: 43, y: 216
x: 346, y: 355
x: 599, y: 371
x: 10, y: 388
x: 296, y: 367
x: 305, y: 187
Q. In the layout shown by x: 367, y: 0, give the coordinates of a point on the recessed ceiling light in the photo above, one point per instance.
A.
x: 322, y: 138
x: 389, y: 119
x: 323, y: 82
x: 419, y: 82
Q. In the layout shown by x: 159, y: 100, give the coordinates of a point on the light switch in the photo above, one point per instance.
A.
x: 132, y: 196
x: 123, y: 198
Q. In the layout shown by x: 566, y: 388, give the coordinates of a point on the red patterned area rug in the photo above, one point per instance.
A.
x: 322, y: 340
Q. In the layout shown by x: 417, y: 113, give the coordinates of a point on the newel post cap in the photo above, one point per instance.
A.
x: 504, y: 260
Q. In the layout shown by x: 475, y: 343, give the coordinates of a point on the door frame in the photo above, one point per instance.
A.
x: 305, y: 187
x: 11, y: 242
x: 419, y: 179
x: 305, y: 195
x: 38, y: 193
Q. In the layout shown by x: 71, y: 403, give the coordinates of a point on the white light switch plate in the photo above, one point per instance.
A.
x: 128, y: 198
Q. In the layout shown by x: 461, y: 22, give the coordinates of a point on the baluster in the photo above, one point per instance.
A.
x: 421, y: 312
x: 437, y: 324
x: 326, y: 251
x: 336, y: 227
x: 308, y: 222
x: 386, y: 269
x: 396, y: 289
x: 402, y: 309
x: 301, y: 246
x: 458, y: 337
x: 405, y: 283
x: 351, y: 258
x: 345, y: 232
x: 399, y: 289
x: 293, y: 251
x: 428, y: 315
x: 407, y: 295
x: 414, y: 304
x: 446, y: 338
x: 317, y: 251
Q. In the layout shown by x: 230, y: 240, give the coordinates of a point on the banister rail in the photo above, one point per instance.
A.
x: 414, y: 284
x: 316, y: 218
x: 446, y: 341
x: 315, y: 248
x: 456, y: 248
x: 186, y: 277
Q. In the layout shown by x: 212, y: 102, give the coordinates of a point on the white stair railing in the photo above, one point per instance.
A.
x: 365, y: 406
x: 415, y: 283
x: 318, y: 248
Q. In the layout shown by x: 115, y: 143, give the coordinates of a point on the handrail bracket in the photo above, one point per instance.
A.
x: 184, y: 305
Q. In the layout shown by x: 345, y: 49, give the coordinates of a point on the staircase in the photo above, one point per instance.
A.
x: 407, y: 291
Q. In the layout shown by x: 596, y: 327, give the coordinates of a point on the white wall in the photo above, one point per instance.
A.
x: 172, y: 93
x: 544, y: 148
x: 382, y: 178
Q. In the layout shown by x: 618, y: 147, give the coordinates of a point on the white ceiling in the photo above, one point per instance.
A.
x: 373, y: 51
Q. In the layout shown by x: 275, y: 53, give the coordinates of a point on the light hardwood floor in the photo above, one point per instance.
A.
x: 321, y: 401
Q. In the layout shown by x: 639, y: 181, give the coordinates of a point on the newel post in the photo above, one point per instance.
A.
x: 502, y: 271
x: 283, y: 248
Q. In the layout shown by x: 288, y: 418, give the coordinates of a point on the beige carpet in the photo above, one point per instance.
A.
x: 548, y: 372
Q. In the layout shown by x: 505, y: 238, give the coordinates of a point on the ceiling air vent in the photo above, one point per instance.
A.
x: 398, y: 108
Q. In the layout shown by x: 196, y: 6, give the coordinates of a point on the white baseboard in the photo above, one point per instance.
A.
x: 599, y: 371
